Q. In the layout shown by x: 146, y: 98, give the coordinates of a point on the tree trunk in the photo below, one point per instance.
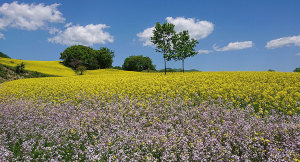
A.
x: 165, y: 66
x: 183, y: 65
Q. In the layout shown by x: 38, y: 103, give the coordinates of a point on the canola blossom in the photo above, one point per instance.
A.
x: 46, y: 67
x: 264, y: 91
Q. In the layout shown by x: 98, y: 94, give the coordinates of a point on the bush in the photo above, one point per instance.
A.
x: 20, y: 68
x: 271, y: 70
x: 118, y: 67
x: 138, y: 63
x: 297, y: 70
x: 81, y: 69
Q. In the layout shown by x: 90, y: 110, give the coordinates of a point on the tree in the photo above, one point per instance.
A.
x: 162, y: 38
x: 138, y: 63
x: 104, y: 57
x: 81, y: 69
x: 79, y: 55
x: 297, y: 70
x: 3, y: 55
x: 183, y: 46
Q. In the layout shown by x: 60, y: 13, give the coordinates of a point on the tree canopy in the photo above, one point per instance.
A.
x: 162, y: 38
x: 138, y: 63
x: 79, y: 55
x: 183, y: 46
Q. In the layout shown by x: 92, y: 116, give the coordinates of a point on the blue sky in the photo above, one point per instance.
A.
x: 233, y: 35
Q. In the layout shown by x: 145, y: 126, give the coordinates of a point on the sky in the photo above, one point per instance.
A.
x: 233, y: 35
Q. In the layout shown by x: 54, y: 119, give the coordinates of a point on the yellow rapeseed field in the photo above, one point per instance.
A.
x: 263, y: 90
x: 46, y: 67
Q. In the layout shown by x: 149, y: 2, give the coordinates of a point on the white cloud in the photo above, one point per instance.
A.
x: 2, y: 36
x: 84, y: 35
x: 145, y: 36
x: 197, y: 29
x: 235, y: 46
x: 68, y: 25
x: 285, y: 41
x: 54, y: 30
x: 298, y: 54
x: 204, y: 51
x: 29, y: 16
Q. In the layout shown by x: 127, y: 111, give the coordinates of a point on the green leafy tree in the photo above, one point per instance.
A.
x: 162, y: 38
x: 3, y: 55
x: 297, y: 70
x: 104, y: 57
x: 81, y: 69
x: 183, y: 46
x: 138, y: 63
x: 79, y: 55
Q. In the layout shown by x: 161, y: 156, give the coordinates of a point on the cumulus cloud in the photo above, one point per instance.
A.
x: 204, y: 51
x: 197, y: 29
x: 145, y: 36
x: 84, y: 35
x: 235, y: 46
x: 2, y: 36
x: 285, y: 41
x: 29, y: 16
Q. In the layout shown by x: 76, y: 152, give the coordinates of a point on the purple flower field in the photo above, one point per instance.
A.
x: 124, y: 130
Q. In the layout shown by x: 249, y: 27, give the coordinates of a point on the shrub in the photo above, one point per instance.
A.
x: 81, y: 69
x: 117, y: 67
x: 20, y: 68
x: 138, y: 63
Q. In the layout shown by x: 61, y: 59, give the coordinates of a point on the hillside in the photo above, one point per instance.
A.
x: 45, y: 67
x: 8, y: 73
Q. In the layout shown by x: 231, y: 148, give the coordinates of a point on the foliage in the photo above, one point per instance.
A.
x: 53, y: 68
x: 131, y: 130
x: 3, y: 55
x: 183, y: 46
x: 297, y: 70
x: 265, y: 91
x: 81, y: 69
x: 271, y: 70
x: 138, y: 63
x: 117, y: 67
x: 20, y: 68
x: 79, y: 55
x: 162, y: 38
x: 104, y: 56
